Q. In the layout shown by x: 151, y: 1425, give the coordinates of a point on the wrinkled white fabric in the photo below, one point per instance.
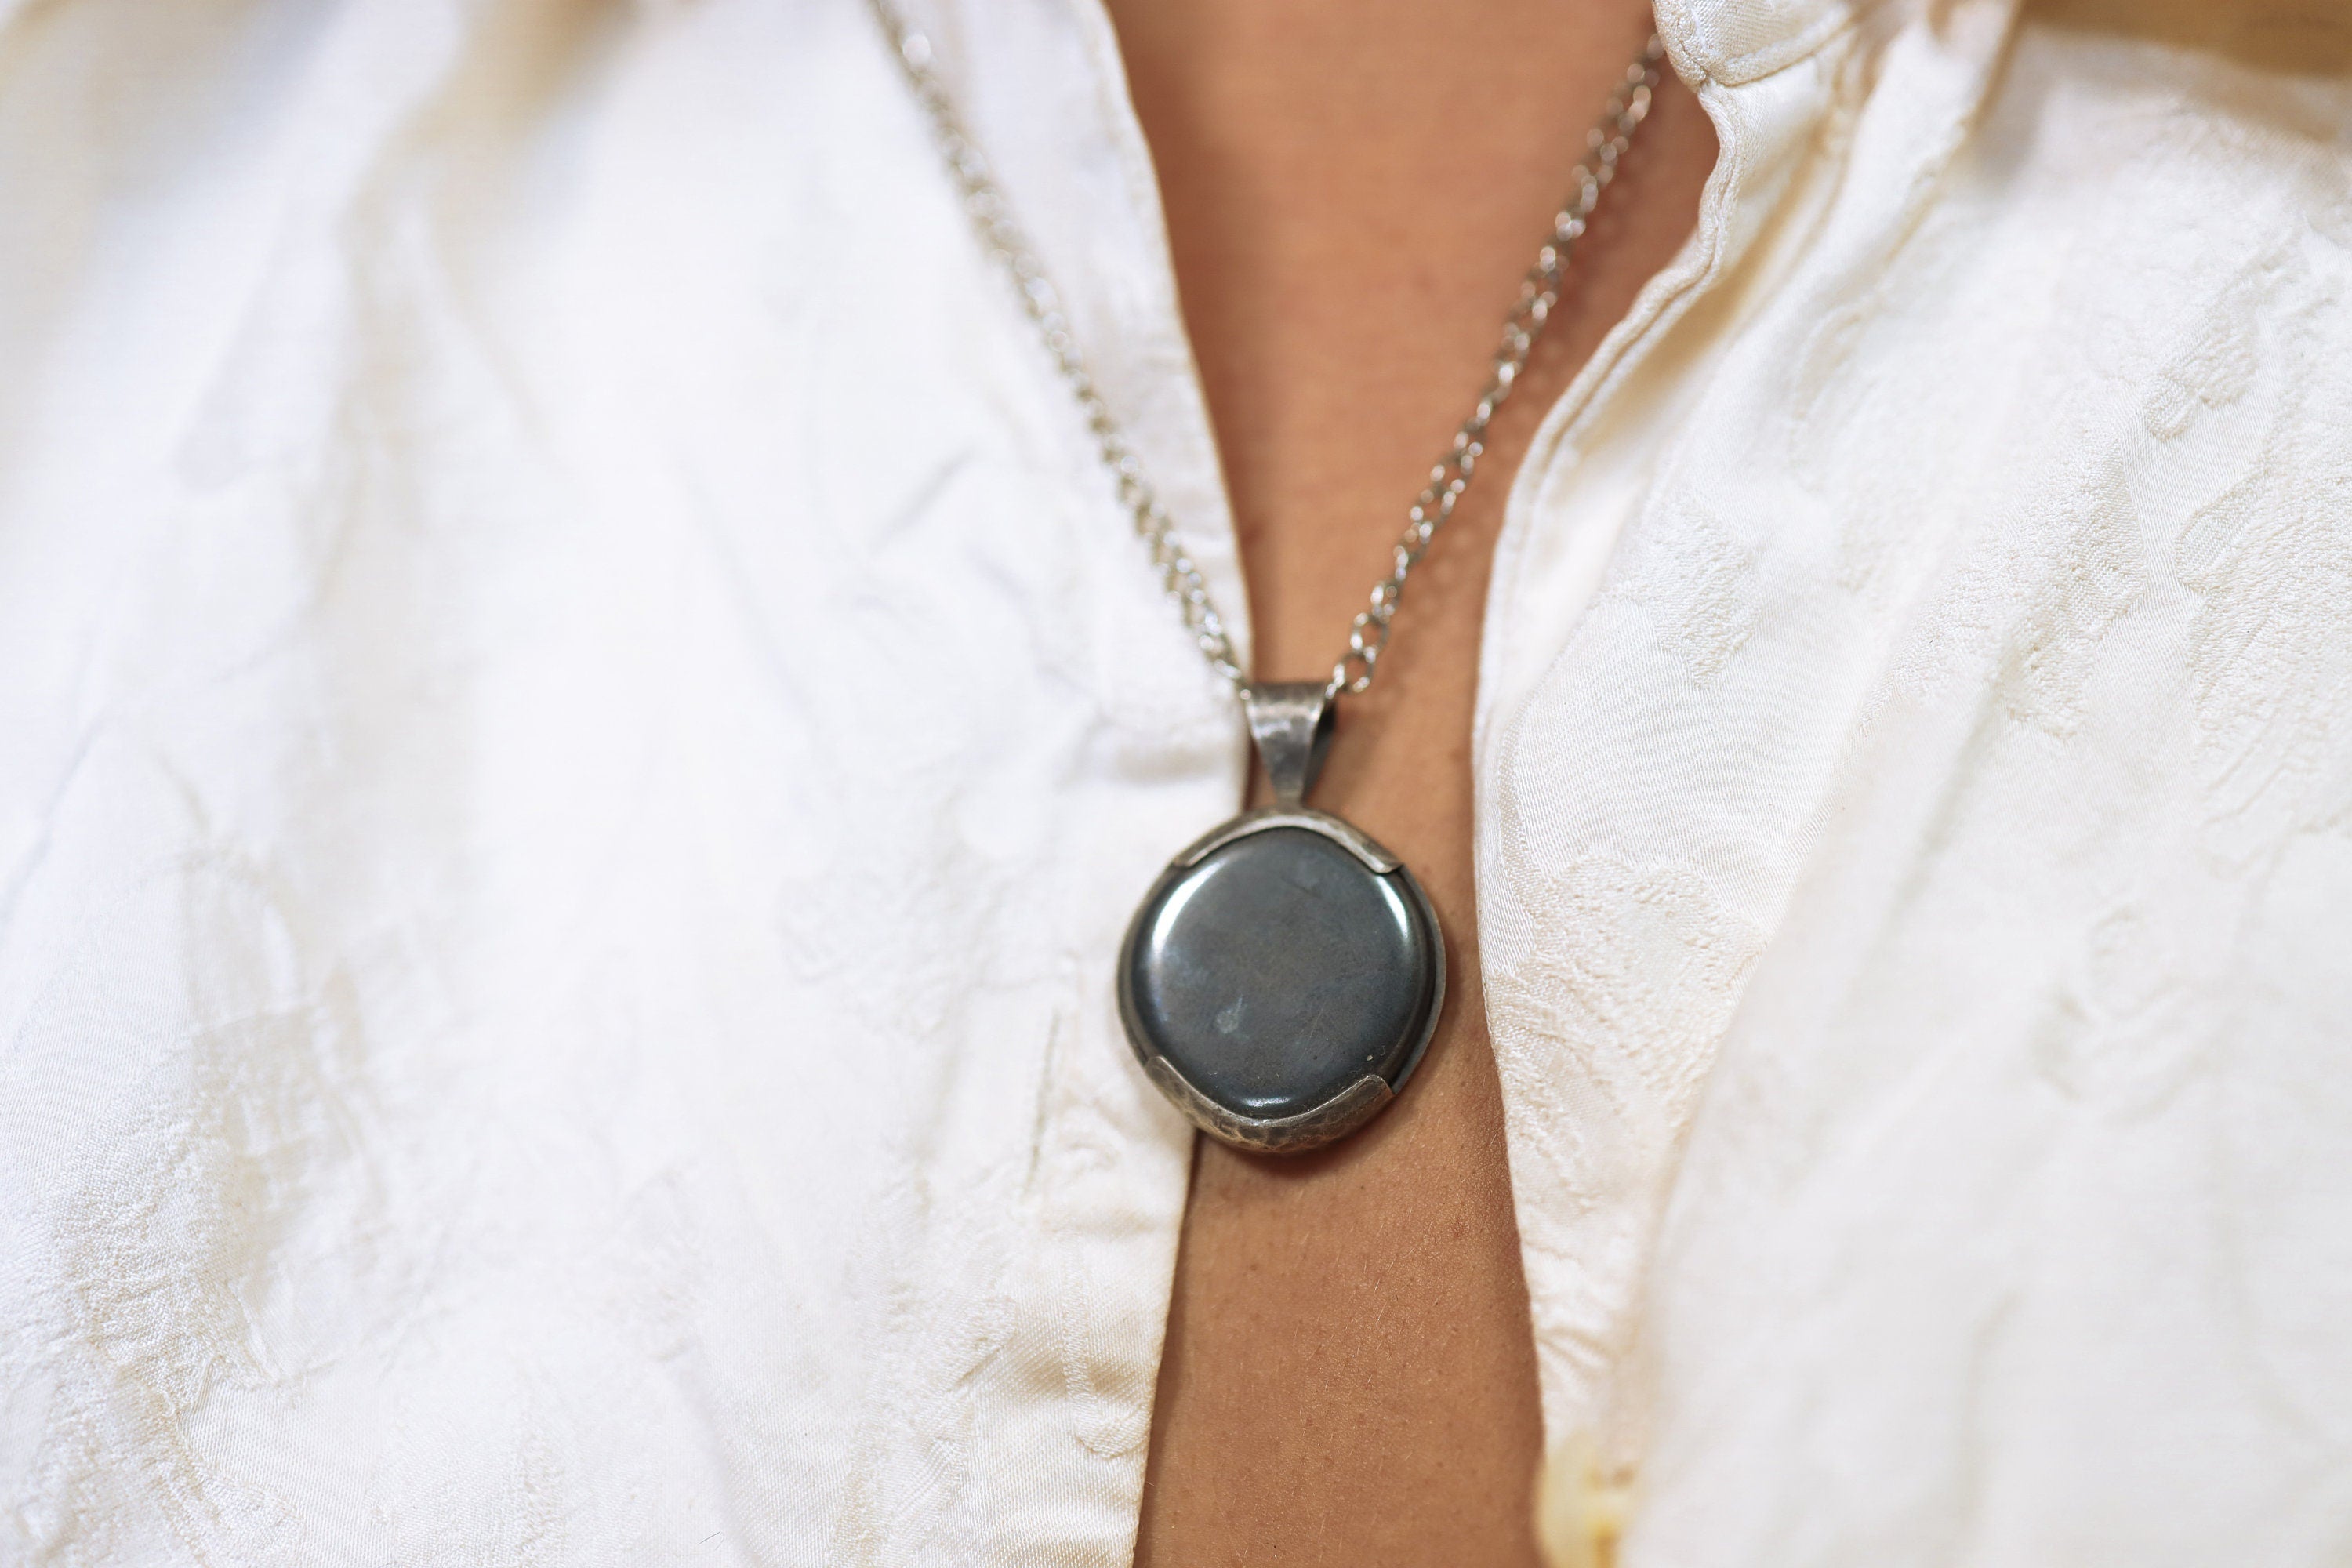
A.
x: 580, y: 727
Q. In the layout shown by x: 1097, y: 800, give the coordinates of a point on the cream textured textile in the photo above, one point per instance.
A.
x: 579, y: 728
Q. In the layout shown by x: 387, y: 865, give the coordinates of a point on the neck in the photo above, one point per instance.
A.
x: 1353, y: 189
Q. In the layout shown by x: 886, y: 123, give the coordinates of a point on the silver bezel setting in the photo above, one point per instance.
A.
x: 1352, y: 1107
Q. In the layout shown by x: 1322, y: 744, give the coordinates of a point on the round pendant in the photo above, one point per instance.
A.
x: 1282, y: 979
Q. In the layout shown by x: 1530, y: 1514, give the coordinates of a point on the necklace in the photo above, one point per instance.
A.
x: 1283, y: 977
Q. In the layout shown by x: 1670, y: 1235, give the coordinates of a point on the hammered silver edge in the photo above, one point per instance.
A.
x: 1340, y: 830
x: 1326, y: 1123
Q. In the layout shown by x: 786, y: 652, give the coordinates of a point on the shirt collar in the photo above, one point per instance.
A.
x: 1735, y: 41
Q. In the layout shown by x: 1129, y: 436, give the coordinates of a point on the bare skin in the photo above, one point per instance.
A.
x: 1352, y: 189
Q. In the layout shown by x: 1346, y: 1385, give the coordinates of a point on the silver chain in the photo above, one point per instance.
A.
x: 1367, y: 635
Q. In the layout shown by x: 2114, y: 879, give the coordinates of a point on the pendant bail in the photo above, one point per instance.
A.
x: 1291, y: 721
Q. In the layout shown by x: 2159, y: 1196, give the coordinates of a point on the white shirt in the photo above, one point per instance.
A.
x: 582, y: 727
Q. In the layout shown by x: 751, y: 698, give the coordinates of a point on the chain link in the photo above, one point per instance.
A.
x: 1450, y: 476
x: 1001, y: 234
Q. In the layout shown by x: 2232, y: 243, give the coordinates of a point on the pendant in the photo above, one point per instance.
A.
x: 1283, y: 977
